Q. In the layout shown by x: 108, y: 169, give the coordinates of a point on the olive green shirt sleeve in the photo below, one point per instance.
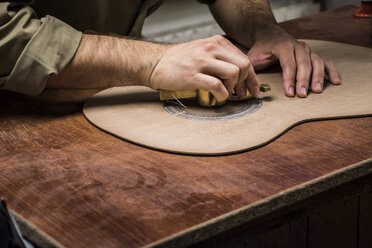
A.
x: 32, y: 49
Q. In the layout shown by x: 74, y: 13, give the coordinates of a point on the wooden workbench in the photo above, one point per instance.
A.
x: 311, y: 187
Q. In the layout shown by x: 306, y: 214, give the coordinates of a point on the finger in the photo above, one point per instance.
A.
x: 240, y: 60
x: 252, y: 82
x: 245, y: 70
x: 317, y: 81
x: 332, y: 72
x: 213, y: 85
x: 240, y: 90
x: 247, y: 76
x: 228, y: 72
x: 286, y: 56
x: 304, y: 68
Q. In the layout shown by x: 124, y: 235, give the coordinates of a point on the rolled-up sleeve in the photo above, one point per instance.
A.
x: 32, y: 49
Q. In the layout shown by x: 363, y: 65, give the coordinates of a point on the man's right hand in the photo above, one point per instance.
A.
x: 213, y: 64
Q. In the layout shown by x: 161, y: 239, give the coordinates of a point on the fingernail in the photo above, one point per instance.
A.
x: 291, y: 91
x: 319, y: 86
x: 304, y: 91
x: 338, y: 81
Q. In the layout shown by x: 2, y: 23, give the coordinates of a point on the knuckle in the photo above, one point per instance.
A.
x: 319, y: 61
x: 287, y: 44
x: 199, y: 60
x: 246, y: 63
x: 235, y: 71
x: 304, y: 45
x: 304, y: 64
x: 330, y: 62
x: 315, y: 56
x: 218, y: 38
x: 291, y: 66
x: 303, y: 79
x: 215, y: 85
x: 318, y: 76
x: 210, y: 46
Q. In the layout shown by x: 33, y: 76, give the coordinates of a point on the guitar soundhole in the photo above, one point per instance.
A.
x: 231, y: 110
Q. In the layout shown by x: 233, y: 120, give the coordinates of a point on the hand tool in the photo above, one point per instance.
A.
x: 203, y: 97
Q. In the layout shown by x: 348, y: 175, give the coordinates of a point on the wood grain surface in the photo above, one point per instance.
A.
x: 86, y: 188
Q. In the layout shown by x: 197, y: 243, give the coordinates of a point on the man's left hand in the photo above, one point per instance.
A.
x: 302, y: 68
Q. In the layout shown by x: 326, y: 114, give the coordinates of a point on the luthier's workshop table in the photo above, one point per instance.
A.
x: 86, y: 188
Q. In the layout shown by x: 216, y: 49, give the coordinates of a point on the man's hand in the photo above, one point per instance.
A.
x: 213, y: 64
x: 252, y: 24
x: 302, y: 68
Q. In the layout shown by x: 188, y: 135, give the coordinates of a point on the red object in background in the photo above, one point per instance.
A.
x: 364, y: 10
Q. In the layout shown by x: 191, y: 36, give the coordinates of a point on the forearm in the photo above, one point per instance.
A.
x: 105, y: 61
x: 244, y: 21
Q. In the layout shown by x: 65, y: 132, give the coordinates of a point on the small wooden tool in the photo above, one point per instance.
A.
x: 203, y: 97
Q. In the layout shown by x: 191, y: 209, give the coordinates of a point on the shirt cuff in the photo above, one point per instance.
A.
x: 51, y: 48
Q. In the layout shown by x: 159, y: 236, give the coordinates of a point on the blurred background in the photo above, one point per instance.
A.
x: 183, y: 20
